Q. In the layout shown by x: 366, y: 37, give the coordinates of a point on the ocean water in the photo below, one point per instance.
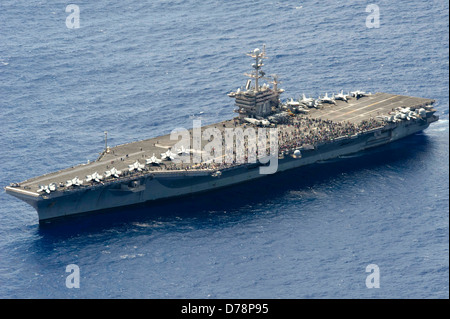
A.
x: 138, y: 69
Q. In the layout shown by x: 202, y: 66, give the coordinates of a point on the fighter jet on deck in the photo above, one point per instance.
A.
x: 153, y: 160
x: 358, y: 94
x: 135, y: 166
x: 327, y: 99
x: 183, y: 151
x: 341, y: 96
x: 168, y: 156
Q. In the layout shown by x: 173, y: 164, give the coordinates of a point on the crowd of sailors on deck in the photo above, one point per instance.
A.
x: 312, y: 131
x: 302, y: 132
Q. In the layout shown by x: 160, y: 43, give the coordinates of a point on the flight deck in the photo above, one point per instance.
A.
x: 370, y: 106
x: 122, y: 156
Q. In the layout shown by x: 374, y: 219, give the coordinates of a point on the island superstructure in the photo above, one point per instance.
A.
x: 260, y: 101
x: 308, y: 130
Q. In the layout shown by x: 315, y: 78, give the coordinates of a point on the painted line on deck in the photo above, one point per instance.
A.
x: 365, y: 107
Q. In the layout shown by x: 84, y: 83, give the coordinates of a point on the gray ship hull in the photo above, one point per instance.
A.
x: 152, y: 186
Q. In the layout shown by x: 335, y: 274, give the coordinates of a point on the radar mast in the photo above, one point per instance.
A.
x: 257, y: 73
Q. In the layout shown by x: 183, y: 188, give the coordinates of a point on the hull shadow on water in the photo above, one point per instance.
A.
x: 238, y: 200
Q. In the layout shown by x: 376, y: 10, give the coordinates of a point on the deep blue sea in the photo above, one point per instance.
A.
x: 139, y: 69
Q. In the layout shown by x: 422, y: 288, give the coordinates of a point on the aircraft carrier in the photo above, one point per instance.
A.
x: 300, y: 131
